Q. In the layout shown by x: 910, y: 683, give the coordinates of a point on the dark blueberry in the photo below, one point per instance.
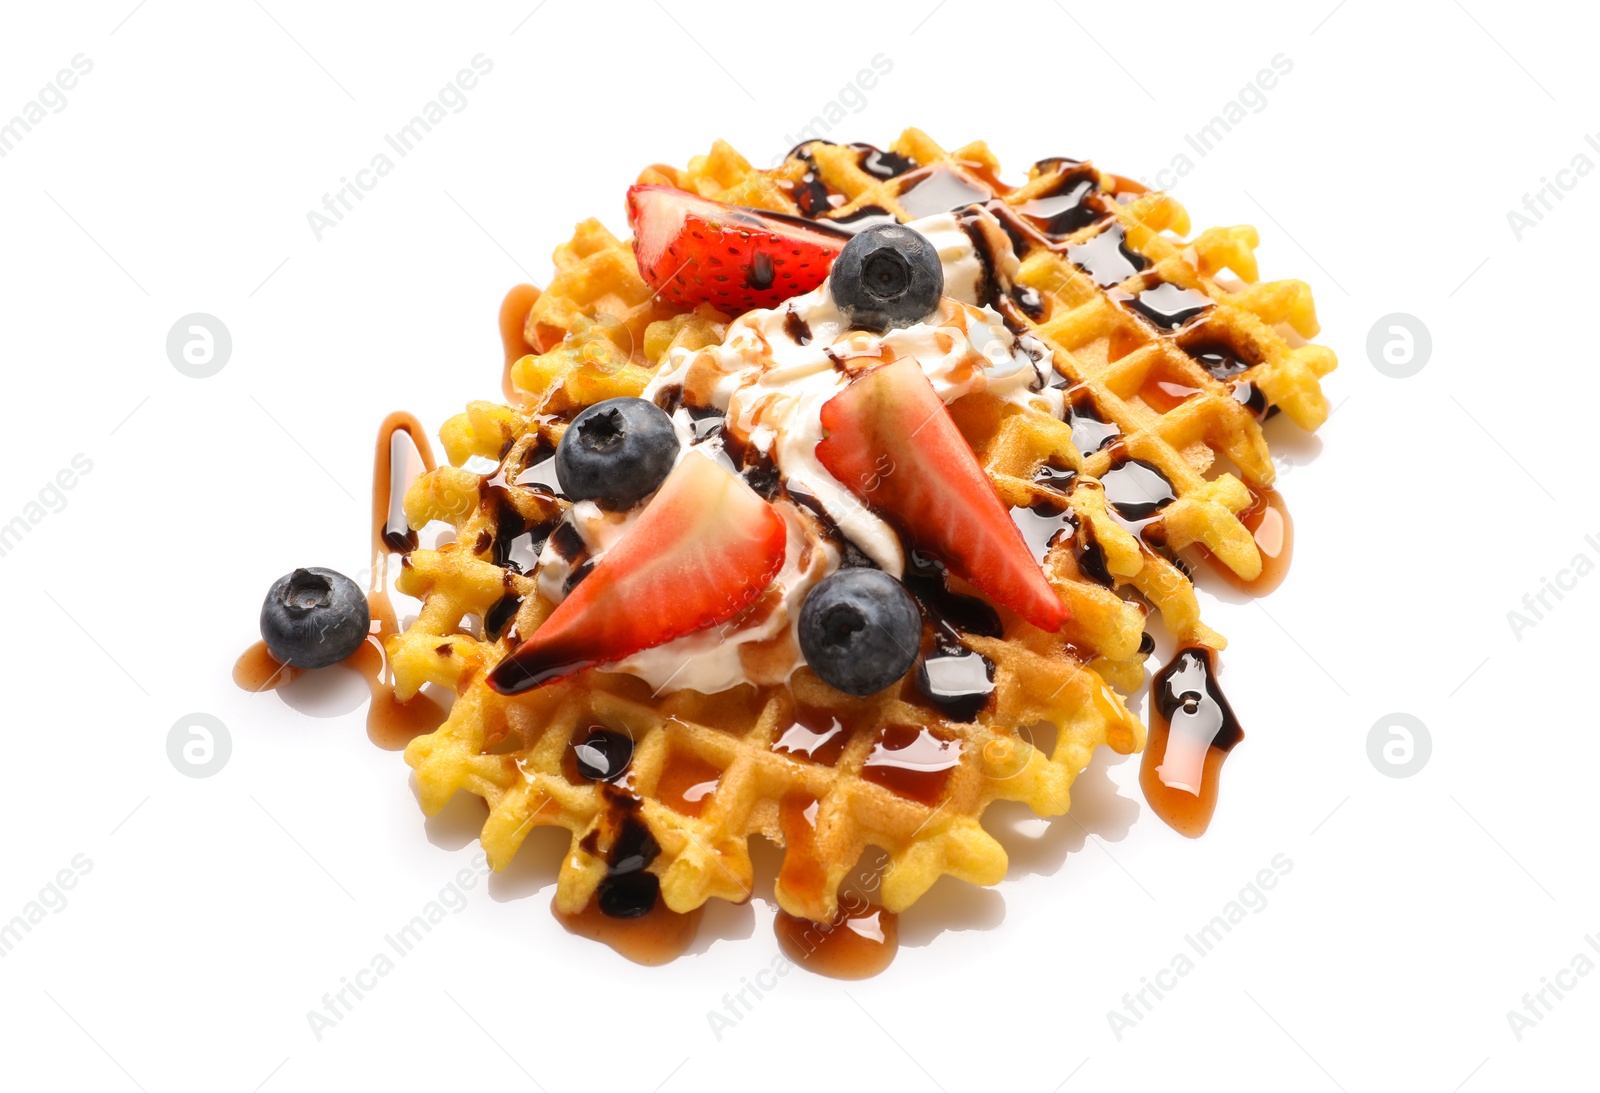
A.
x: 886, y: 276
x: 314, y: 617
x: 616, y: 452
x: 860, y: 630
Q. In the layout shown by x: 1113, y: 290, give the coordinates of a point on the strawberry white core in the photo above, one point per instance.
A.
x: 658, y: 231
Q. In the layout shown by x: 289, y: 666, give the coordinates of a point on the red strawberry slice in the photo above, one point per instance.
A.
x: 700, y: 553
x: 891, y: 442
x: 693, y: 250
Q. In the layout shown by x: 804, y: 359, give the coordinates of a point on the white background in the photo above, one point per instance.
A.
x: 218, y: 911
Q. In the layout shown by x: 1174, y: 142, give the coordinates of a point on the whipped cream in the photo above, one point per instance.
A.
x: 963, y: 268
x: 770, y: 377
x: 716, y: 658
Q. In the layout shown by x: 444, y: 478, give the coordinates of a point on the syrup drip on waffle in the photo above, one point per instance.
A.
x: 1268, y: 521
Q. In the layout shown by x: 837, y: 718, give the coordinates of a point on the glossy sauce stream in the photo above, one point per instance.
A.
x: 861, y: 939
x: 1192, y: 730
x: 513, y: 334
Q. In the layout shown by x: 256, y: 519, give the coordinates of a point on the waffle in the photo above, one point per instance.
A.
x: 709, y: 771
x: 1113, y: 362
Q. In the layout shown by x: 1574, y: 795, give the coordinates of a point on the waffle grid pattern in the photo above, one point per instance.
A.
x: 597, y: 332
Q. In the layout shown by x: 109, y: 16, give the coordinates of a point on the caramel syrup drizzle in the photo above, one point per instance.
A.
x: 1185, y: 695
x: 859, y: 943
x: 514, y: 311
x: 391, y: 724
x: 1268, y: 521
x: 1192, y: 730
x: 657, y: 937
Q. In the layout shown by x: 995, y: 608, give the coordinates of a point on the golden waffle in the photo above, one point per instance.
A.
x: 515, y: 752
x: 707, y: 772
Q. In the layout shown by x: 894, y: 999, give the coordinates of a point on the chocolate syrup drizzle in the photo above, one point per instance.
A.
x: 955, y: 679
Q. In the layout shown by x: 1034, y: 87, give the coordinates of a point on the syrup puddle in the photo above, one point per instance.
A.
x: 656, y: 937
x: 912, y: 761
x: 938, y: 190
x: 856, y: 945
x: 1192, y: 730
x: 1267, y: 519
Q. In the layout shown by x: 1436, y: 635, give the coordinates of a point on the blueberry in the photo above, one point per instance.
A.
x: 887, y: 276
x: 860, y: 630
x: 314, y: 617
x: 616, y: 452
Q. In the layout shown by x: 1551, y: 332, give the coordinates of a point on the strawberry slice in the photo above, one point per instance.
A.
x: 700, y: 553
x: 693, y: 250
x: 891, y: 442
